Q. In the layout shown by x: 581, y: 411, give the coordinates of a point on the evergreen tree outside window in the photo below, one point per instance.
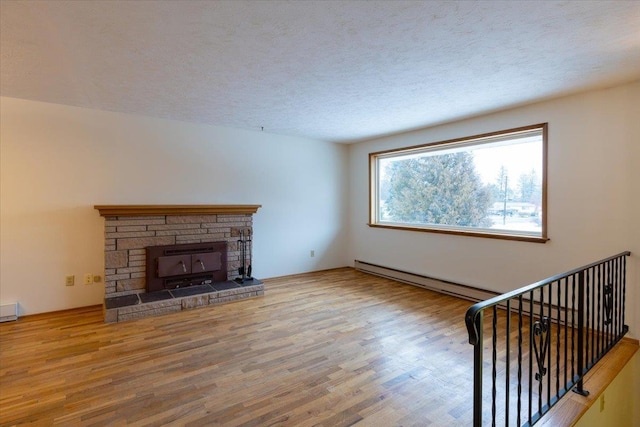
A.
x: 491, y: 185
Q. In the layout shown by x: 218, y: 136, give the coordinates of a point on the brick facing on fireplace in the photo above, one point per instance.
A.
x: 126, y: 237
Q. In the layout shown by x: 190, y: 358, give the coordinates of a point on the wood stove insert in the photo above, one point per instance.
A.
x: 183, y: 265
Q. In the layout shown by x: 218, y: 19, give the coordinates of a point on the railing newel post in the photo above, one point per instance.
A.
x: 477, y: 369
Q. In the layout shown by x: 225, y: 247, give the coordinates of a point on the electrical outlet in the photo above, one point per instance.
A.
x: 97, y: 278
x: 70, y: 280
x: 88, y: 279
x: 312, y: 253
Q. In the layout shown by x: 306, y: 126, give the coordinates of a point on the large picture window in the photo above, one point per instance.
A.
x: 491, y: 185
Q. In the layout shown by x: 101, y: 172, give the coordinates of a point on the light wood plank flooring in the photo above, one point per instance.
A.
x: 333, y: 348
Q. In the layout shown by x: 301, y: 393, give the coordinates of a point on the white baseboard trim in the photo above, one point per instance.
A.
x: 454, y: 289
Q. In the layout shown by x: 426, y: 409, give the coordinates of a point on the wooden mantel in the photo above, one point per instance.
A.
x: 161, y: 210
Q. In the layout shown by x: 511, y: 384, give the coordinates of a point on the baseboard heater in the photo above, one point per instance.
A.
x: 467, y: 292
x: 8, y: 312
x: 454, y: 289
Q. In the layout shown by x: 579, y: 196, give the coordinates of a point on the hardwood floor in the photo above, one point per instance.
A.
x: 333, y: 348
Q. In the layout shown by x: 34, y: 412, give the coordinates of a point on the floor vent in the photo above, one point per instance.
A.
x: 454, y: 289
x: 8, y: 312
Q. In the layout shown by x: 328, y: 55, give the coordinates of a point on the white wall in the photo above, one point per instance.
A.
x: 593, y: 199
x: 57, y: 162
x: 616, y: 406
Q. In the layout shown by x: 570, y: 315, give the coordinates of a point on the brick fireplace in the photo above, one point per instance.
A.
x: 131, y: 229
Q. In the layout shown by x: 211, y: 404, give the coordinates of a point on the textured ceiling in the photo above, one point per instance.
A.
x: 332, y: 70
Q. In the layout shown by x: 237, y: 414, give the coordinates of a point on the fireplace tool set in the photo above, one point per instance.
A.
x: 244, y: 244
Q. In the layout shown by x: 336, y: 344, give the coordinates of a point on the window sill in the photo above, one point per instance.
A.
x: 500, y: 236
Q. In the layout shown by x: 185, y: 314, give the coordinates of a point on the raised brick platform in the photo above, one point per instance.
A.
x: 137, y: 306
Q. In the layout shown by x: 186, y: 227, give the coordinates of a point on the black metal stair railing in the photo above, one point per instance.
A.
x: 543, y: 339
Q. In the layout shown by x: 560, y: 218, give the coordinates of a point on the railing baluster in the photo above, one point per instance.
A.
x: 608, y: 300
x: 550, y: 316
x: 612, y: 324
x: 616, y: 328
x: 573, y: 326
x: 620, y: 324
x: 594, y: 279
x: 531, y: 314
x: 614, y: 287
x: 587, y: 278
x: 612, y: 328
x: 605, y: 310
x: 493, y: 364
x: 558, y: 330
x: 566, y: 326
x: 540, y: 354
x: 612, y: 297
x: 600, y: 286
x: 624, y: 290
x: 508, y: 362
x: 519, y: 359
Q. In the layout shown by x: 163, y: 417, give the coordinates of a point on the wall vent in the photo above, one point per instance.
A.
x: 454, y: 289
x: 8, y: 312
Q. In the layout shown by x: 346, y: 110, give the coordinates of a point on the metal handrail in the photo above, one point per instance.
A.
x: 473, y: 311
